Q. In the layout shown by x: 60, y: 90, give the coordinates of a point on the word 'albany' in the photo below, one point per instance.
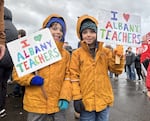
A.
x: 29, y: 51
x: 32, y: 56
x: 37, y: 59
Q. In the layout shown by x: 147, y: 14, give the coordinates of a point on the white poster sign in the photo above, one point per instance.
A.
x: 119, y: 28
x: 34, y: 52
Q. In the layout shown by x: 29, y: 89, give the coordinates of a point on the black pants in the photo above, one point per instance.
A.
x: 4, y: 76
x: 139, y: 73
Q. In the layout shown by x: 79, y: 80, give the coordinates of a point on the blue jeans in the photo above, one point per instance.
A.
x: 110, y: 74
x: 95, y: 116
x: 59, y: 116
x: 130, y: 70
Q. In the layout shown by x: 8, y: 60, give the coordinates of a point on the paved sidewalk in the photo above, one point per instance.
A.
x: 131, y: 104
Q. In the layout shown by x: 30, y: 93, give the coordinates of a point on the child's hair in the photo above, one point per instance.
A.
x: 22, y: 33
x: 88, y: 24
x: 129, y: 47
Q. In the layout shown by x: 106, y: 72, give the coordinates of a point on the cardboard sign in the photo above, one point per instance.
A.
x: 145, y: 44
x: 143, y: 48
x: 146, y: 38
x: 119, y: 28
x: 34, y: 52
x: 117, y: 59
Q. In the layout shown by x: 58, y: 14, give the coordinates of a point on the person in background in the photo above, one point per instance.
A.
x: 125, y: 66
x: 2, y: 38
x: 2, y: 33
x: 91, y: 87
x: 145, y: 63
x: 109, y: 47
x: 6, y: 64
x: 116, y: 77
x: 18, y: 89
x: 21, y: 33
x: 138, y: 69
x: 130, y: 65
x: 70, y: 50
x: 67, y: 47
x: 48, y: 91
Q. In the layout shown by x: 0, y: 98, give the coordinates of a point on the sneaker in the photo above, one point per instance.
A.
x: 137, y: 82
x: 116, y: 78
x: 144, y: 90
x: 9, y: 81
x: 128, y: 79
x: 2, y: 113
x: 76, y: 115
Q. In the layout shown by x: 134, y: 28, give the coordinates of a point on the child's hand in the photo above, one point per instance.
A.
x: 119, y: 50
x: 63, y: 104
x: 78, y: 106
x: 37, y: 81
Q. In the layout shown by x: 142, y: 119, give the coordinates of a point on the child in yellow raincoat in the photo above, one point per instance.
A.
x: 90, y: 63
x: 50, y: 101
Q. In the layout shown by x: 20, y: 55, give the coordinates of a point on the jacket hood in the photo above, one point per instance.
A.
x: 55, y: 18
x: 80, y: 20
x: 49, y: 17
x: 7, y: 14
x: 46, y: 21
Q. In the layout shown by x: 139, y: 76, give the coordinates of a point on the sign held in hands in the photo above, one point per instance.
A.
x: 119, y: 28
x: 33, y: 52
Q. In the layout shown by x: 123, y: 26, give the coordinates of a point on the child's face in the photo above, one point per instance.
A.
x: 56, y: 31
x: 89, y: 36
x: 129, y: 49
x: 19, y: 36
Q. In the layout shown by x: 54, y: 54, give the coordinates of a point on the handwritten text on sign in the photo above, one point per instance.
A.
x: 119, y: 28
x: 33, y: 52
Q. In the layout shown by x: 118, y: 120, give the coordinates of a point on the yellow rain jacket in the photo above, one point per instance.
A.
x: 89, y: 77
x: 44, y: 99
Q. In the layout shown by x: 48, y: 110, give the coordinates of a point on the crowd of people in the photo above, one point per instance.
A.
x: 133, y: 67
x: 81, y: 75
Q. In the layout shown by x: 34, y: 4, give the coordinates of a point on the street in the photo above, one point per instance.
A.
x: 131, y: 104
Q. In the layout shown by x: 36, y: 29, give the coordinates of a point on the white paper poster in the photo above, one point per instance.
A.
x: 119, y: 28
x: 31, y: 53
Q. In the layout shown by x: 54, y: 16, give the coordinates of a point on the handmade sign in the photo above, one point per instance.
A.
x: 146, y: 38
x: 144, y: 49
x: 119, y: 28
x: 34, y: 52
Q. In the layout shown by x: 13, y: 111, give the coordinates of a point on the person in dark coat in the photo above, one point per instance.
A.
x: 18, y: 89
x: 138, y: 68
x: 6, y: 64
x: 130, y: 65
x: 67, y: 47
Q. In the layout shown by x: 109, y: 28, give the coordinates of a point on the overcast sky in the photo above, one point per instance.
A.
x: 30, y: 14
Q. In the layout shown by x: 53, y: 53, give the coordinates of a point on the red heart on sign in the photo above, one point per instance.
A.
x: 145, y: 47
x: 126, y: 17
